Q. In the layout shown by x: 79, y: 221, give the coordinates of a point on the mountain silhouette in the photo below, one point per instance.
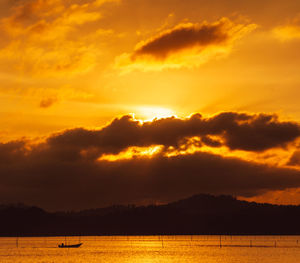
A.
x: 200, y: 214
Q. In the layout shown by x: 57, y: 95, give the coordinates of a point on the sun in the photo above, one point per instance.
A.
x: 149, y: 113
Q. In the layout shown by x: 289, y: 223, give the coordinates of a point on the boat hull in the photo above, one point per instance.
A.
x: 70, y: 246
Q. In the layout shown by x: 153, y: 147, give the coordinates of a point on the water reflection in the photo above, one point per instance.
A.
x: 208, y: 249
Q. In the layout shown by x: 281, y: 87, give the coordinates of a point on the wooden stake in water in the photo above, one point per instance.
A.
x: 220, y: 241
x: 17, y: 242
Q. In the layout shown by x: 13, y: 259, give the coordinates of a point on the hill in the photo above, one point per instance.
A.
x: 200, y: 214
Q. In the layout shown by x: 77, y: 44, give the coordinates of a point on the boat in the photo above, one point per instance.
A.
x: 62, y: 245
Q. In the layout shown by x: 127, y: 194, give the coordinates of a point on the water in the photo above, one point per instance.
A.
x: 152, y: 249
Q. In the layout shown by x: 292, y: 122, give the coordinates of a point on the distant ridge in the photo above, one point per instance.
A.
x: 199, y: 214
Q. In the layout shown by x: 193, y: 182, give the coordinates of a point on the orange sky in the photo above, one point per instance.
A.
x: 82, y: 63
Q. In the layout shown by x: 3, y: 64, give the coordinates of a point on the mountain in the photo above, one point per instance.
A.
x: 200, y: 214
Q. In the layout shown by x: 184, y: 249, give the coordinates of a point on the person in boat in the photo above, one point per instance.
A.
x: 62, y: 244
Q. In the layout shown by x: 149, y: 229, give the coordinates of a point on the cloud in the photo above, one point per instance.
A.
x: 48, y: 102
x: 237, y: 131
x: 294, y: 159
x: 13, y: 151
x: 181, y: 37
x: 288, y: 32
x: 66, y: 170
x: 42, y: 37
x: 76, y: 183
x: 207, y: 140
x: 188, y: 44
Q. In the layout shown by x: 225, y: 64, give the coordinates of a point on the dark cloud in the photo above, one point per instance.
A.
x: 294, y: 159
x: 64, y: 171
x: 253, y: 132
x: 211, y: 142
x: 12, y: 151
x: 58, y: 183
x: 238, y: 131
x: 47, y: 102
x: 183, y: 37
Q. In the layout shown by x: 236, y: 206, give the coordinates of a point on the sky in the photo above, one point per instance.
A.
x: 145, y: 102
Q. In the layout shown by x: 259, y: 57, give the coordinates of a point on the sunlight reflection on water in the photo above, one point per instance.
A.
x: 208, y: 249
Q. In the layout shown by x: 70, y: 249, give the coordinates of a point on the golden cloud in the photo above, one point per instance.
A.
x: 42, y: 37
x: 289, y: 31
x: 188, y: 45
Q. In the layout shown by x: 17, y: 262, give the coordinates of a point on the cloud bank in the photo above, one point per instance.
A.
x: 66, y: 171
x: 237, y: 131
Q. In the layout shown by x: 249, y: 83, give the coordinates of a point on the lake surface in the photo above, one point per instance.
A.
x: 150, y: 249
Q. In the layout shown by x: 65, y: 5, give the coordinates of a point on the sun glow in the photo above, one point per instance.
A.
x: 149, y: 113
x: 131, y: 153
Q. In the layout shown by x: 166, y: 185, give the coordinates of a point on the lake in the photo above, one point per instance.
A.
x: 146, y: 249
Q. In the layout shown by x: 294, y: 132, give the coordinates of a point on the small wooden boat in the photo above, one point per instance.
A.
x: 71, y: 246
